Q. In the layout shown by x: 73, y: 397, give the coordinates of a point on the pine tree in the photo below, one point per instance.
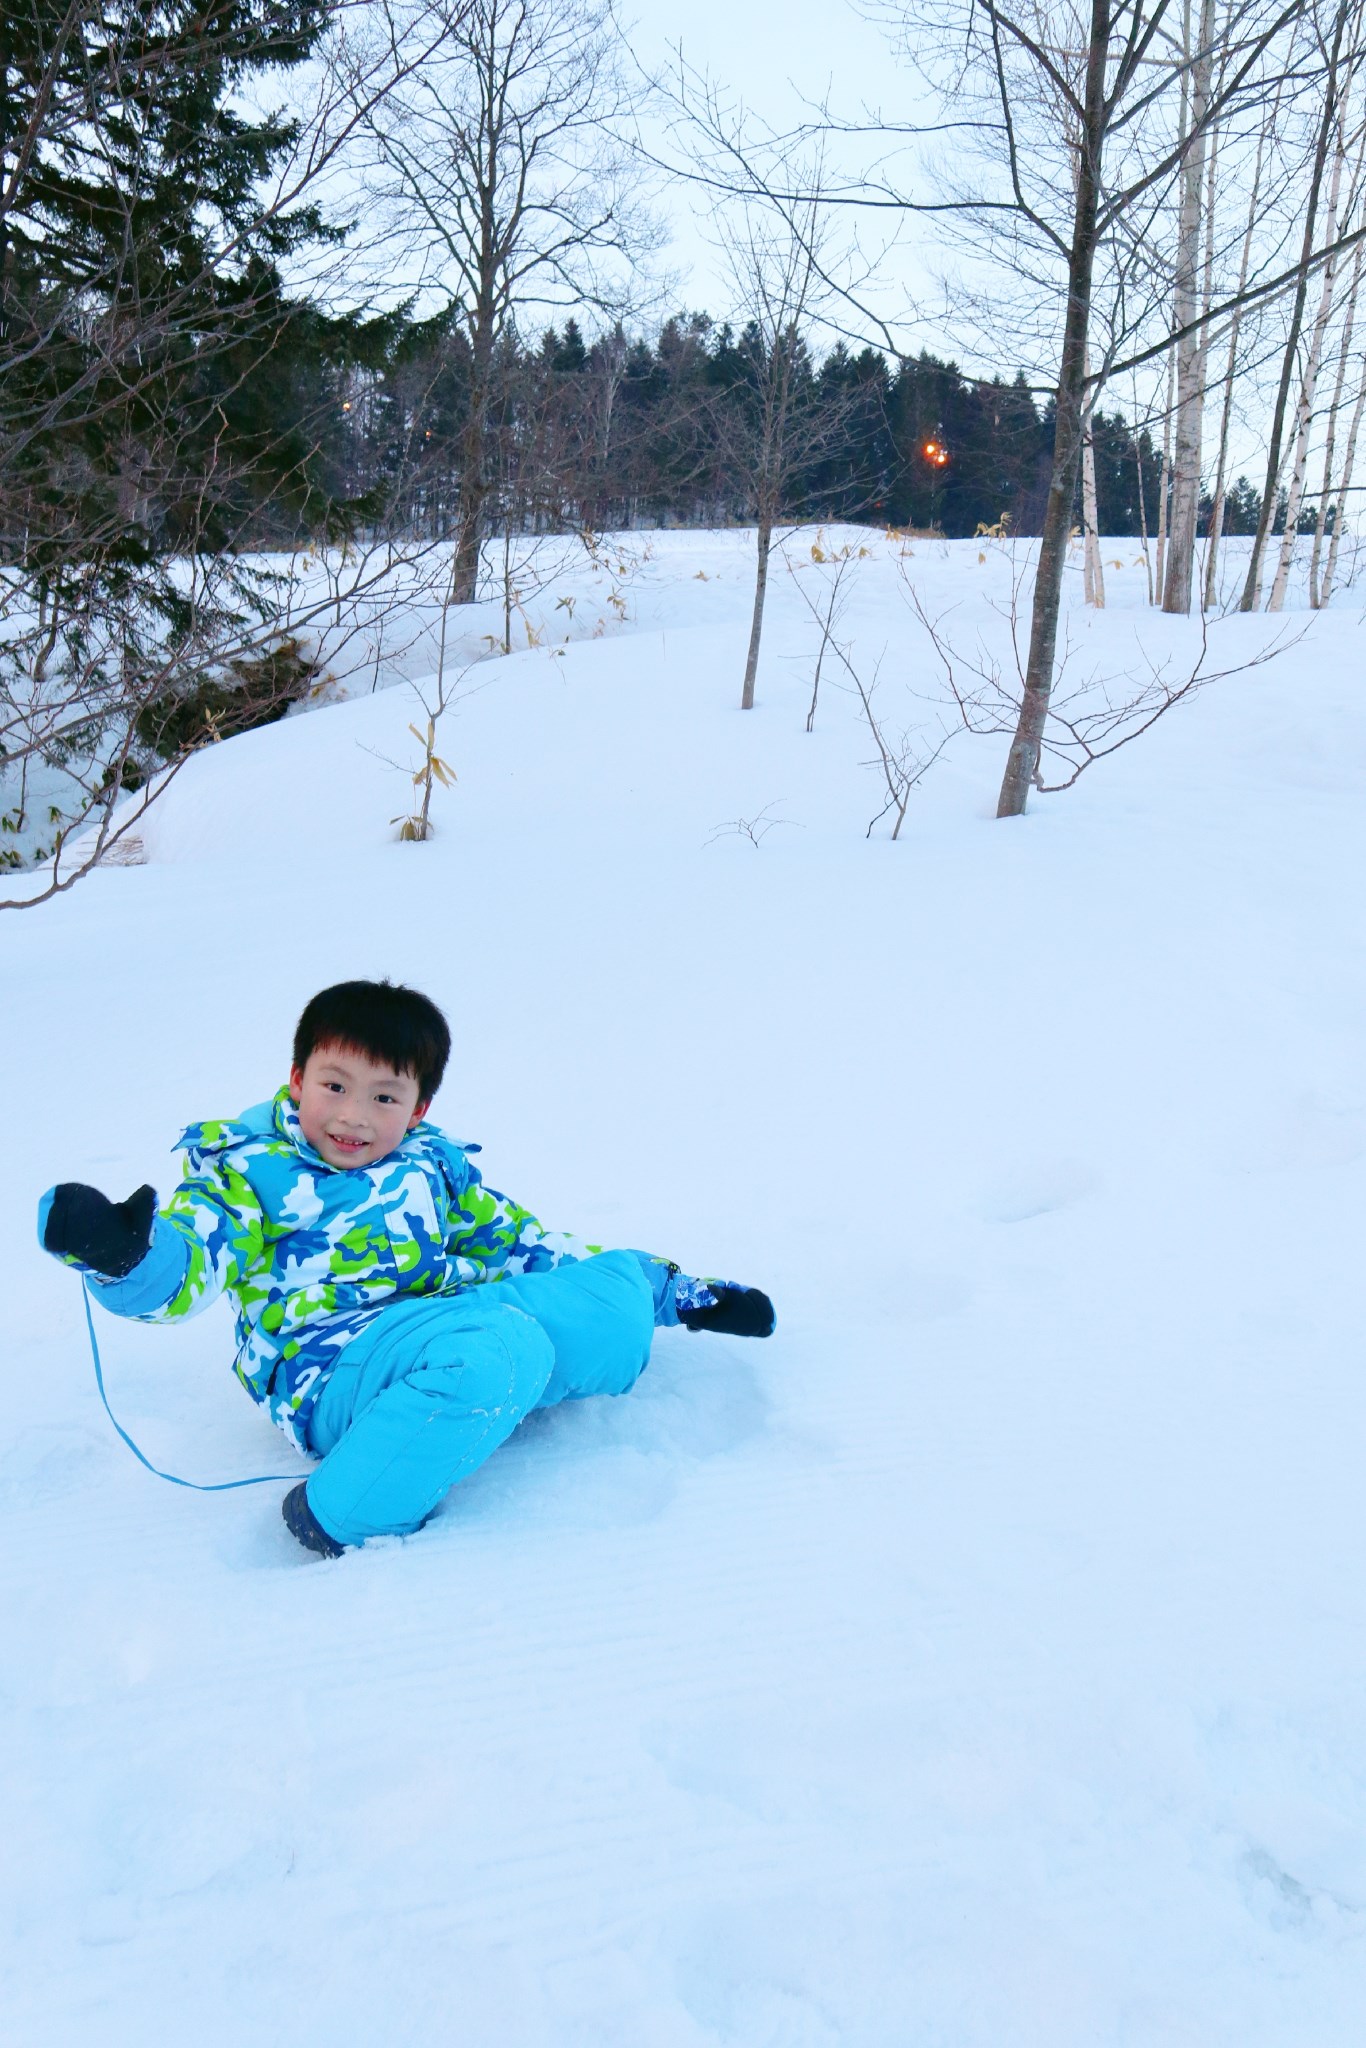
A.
x: 140, y: 295
x: 163, y: 401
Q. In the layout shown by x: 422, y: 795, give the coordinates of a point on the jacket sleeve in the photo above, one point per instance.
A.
x: 208, y: 1236
x: 489, y: 1235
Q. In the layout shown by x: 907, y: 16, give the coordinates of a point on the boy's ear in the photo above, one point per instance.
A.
x: 418, y: 1114
x: 296, y: 1082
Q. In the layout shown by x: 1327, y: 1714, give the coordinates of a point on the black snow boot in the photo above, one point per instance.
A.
x: 304, y: 1525
x: 733, y: 1312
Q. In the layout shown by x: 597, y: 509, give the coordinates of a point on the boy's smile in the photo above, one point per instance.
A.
x: 352, y: 1111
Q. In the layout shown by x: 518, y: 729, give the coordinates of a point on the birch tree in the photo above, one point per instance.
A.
x: 774, y: 254
x: 1344, y: 486
x: 1130, y: 151
x: 1216, y: 524
x: 1344, y: 13
x: 1313, y: 361
x: 1335, y: 487
x: 1189, y: 371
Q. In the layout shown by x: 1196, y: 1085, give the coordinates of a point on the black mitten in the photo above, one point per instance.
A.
x: 735, y: 1312
x: 110, y: 1237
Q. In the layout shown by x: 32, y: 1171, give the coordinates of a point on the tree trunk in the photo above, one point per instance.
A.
x: 1206, y: 301
x: 1022, y: 762
x: 1252, y: 588
x: 1216, y: 524
x: 765, y: 544
x: 1317, y: 594
x: 1094, y: 569
x: 1330, y: 439
x: 1308, y: 388
x: 1340, y: 505
x: 1142, y: 506
x: 469, y: 532
x: 1190, y: 396
x: 1164, y: 477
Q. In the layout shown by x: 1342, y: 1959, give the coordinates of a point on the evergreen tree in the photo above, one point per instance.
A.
x: 140, y: 295
x: 162, y: 399
x: 625, y: 431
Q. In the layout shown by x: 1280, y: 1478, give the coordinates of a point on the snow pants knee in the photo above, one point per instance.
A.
x: 436, y: 1383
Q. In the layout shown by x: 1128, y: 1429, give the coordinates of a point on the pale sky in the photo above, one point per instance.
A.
x: 773, y: 57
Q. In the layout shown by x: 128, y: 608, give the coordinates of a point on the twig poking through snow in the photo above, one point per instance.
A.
x: 753, y: 829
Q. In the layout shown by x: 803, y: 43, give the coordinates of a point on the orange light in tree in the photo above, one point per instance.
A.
x: 935, y: 452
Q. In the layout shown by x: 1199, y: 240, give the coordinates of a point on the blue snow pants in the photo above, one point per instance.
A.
x: 437, y: 1382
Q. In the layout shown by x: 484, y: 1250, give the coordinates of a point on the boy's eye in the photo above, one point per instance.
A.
x: 334, y: 1086
x: 385, y: 1098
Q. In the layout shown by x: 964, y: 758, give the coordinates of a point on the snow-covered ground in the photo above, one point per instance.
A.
x: 978, y: 1664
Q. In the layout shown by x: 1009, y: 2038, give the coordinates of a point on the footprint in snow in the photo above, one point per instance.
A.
x: 49, y: 1462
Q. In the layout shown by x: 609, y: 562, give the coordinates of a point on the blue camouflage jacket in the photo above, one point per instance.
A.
x: 311, y: 1253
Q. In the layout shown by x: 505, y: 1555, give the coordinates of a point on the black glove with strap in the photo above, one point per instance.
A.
x: 733, y: 1312
x: 109, y: 1237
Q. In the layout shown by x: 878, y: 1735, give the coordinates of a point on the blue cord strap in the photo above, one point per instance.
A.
x: 223, y: 1485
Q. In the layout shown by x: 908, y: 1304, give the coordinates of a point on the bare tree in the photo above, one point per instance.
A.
x: 774, y: 256
x: 503, y: 190
x: 1070, y: 150
x: 1312, y: 366
x: 1190, y: 349
x: 1090, y: 717
x: 1216, y: 524
x: 829, y: 613
x: 1326, y: 516
x: 1344, y: 14
x: 1100, y: 65
x: 903, y: 757
x: 1338, y: 484
x: 1071, y: 153
x: 1344, y: 486
x: 1094, y: 568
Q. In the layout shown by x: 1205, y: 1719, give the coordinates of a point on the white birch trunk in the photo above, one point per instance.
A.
x: 1340, y: 503
x: 1206, y: 301
x: 1304, y: 411
x: 1190, y: 352
x: 1216, y: 524
x: 1329, y: 125
x: 1335, y: 409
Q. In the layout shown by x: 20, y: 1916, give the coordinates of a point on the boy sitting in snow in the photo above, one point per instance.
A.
x: 358, y: 1243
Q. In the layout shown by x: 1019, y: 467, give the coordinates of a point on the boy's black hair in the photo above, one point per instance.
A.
x: 385, y: 1023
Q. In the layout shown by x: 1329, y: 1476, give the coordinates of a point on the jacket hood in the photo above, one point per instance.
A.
x: 217, y: 1135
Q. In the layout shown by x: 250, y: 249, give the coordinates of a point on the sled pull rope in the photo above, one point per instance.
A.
x: 196, y: 1485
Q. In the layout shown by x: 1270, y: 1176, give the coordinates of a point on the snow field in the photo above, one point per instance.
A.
x: 976, y: 1663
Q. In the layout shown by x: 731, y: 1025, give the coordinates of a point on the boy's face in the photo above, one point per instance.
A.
x: 350, y: 1110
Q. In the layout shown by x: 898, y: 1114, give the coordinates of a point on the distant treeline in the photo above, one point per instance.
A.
x: 628, y: 432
